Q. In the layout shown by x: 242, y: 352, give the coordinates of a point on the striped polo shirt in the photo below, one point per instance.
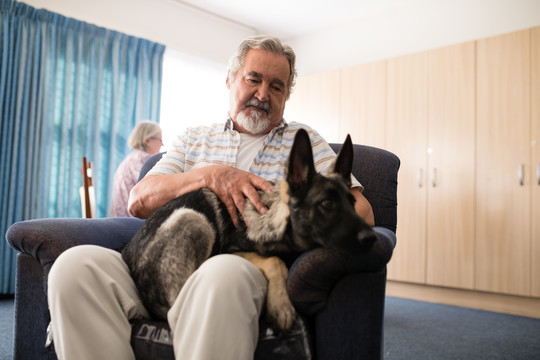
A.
x: 219, y: 145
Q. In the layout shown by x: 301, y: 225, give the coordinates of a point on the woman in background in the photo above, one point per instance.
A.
x: 145, y: 140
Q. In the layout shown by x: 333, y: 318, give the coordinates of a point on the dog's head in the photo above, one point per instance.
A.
x: 322, y: 206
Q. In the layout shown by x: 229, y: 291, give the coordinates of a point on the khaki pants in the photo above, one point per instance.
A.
x: 92, y: 298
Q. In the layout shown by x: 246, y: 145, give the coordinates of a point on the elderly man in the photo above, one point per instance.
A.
x: 215, y: 316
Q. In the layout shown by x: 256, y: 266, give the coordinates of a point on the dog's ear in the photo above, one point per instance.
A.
x: 344, y: 161
x: 300, y: 170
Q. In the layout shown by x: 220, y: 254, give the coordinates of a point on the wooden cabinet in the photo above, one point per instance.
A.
x: 315, y: 101
x: 407, y: 137
x: 431, y: 128
x: 451, y: 166
x: 535, y: 145
x: 503, y: 242
x: 363, y: 104
x: 465, y: 122
x: 347, y: 101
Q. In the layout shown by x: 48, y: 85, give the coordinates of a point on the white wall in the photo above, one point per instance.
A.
x: 421, y: 25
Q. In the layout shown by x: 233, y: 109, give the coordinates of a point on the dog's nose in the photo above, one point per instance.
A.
x: 366, y: 237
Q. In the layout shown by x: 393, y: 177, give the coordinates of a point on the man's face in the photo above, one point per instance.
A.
x: 258, y: 92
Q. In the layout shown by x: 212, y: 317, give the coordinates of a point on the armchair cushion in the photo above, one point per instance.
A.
x: 377, y: 171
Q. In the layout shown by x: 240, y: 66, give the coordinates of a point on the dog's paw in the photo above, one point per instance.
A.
x: 280, y: 311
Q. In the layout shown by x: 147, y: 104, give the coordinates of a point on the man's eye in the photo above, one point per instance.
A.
x: 277, y: 89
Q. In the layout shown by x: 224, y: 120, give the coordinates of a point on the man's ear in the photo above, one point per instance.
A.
x: 344, y: 160
x: 227, y: 80
x: 301, y: 169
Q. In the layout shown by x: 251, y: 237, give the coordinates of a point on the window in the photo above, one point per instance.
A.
x: 193, y: 93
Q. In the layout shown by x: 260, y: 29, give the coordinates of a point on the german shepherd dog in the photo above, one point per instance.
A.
x: 305, y: 210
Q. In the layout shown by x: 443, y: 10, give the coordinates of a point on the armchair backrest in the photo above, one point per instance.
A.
x: 375, y: 168
x: 149, y: 164
x: 377, y: 171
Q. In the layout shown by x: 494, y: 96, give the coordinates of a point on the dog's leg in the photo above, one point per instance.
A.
x: 278, y: 305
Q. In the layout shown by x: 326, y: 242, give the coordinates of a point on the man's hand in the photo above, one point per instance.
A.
x: 233, y: 186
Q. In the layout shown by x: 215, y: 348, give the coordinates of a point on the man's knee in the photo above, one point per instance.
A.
x: 77, y: 266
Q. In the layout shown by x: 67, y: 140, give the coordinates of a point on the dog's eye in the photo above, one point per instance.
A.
x: 327, y: 204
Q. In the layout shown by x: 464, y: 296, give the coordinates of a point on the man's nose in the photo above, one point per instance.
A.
x: 263, y: 92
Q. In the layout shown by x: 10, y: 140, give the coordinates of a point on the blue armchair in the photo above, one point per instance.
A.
x: 339, y: 297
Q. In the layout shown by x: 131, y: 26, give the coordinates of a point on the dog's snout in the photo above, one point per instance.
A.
x: 366, y: 237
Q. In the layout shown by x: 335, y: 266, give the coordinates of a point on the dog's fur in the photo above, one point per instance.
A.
x: 304, y: 211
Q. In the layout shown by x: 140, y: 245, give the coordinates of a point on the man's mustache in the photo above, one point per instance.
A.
x: 258, y: 104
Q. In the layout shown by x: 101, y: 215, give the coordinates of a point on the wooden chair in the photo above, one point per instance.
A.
x: 88, y: 197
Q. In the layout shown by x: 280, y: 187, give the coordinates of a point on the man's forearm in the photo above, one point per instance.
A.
x: 155, y: 190
x: 363, y: 207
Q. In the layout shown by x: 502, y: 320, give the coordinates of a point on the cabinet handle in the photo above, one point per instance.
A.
x: 538, y: 173
x: 520, y: 174
x: 419, y: 177
x: 434, y: 177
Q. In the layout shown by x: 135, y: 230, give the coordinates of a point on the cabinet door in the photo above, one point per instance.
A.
x: 363, y: 103
x: 407, y: 138
x: 315, y: 102
x: 535, y: 143
x: 450, y: 214
x: 503, y: 252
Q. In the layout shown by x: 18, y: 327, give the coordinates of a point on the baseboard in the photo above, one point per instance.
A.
x: 509, y: 304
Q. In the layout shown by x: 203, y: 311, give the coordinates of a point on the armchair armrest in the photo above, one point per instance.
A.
x: 46, y: 239
x: 314, y: 274
x: 39, y: 243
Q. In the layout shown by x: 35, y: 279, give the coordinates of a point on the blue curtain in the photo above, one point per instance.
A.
x: 67, y: 89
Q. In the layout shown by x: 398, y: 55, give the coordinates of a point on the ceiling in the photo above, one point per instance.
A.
x: 291, y: 18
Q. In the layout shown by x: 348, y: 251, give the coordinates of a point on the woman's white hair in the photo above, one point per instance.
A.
x: 142, y: 132
x: 268, y: 43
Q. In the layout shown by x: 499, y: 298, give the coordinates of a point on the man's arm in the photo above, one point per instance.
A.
x: 231, y: 185
x: 363, y: 207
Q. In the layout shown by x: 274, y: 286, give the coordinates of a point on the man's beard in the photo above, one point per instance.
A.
x: 258, y: 121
